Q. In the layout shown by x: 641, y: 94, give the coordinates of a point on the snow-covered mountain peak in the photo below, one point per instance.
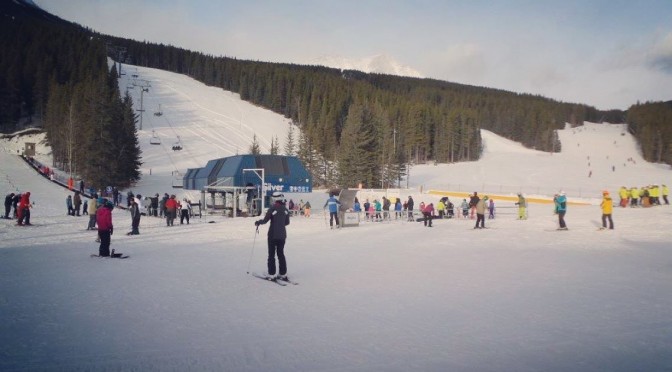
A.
x: 379, y: 63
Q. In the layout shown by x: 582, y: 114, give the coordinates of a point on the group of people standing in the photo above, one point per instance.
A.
x: 645, y: 196
x: 21, y: 204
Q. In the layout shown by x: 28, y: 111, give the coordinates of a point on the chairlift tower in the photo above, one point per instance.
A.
x: 144, y: 87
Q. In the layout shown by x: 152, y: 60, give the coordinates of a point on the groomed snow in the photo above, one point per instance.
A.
x: 394, y: 296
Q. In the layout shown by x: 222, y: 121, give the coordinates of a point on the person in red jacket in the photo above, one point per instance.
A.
x: 24, y: 210
x: 171, y: 210
x: 428, y: 214
x: 105, y: 228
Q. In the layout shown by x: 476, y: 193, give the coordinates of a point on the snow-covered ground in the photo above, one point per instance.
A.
x: 394, y: 296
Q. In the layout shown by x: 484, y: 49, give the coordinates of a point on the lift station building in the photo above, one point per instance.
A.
x: 253, y: 178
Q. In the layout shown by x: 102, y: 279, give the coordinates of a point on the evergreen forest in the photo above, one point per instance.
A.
x: 54, y: 74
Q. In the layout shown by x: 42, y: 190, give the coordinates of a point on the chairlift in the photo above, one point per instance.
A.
x: 158, y: 113
x: 155, y: 140
x: 178, y: 145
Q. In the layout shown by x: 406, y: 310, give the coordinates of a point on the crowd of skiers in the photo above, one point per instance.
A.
x: 645, y: 196
x: 382, y: 211
x: 167, y: 207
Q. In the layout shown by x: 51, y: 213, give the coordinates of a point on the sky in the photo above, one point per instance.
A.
x: 607, y: 54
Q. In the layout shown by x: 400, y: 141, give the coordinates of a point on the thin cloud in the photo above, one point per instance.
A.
x: 661, y: 55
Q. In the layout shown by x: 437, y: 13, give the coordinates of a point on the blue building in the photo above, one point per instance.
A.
x: 238, y: 174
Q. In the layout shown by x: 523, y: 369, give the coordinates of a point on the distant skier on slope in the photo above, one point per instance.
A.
x: 277, y: 235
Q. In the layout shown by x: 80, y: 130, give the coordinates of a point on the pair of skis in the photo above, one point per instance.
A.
x: 278, y: 281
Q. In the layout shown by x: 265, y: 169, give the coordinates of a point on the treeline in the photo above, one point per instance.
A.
x: 55, y: 74
x: 365, y: 128
x: 651, y: 124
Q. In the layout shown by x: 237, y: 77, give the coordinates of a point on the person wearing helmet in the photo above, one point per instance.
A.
x: 277, y: 235
x: 607, y: 206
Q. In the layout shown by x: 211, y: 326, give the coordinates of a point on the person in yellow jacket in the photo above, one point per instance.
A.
x: 634, y: 197
x: 522, y: 207
x: 607, y: 206
x: 623, y: 194
x: 654, y: 193
x: 666, y: 192
x: 441, y: 208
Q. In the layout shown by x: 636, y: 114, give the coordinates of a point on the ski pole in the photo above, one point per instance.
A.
x: 252, y: 253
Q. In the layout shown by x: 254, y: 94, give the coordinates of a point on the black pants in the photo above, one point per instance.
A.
x: 276, y: 246
x: 135, y: 226
x: 480, y: 220
x: 8, y: 208
x: 332, y: 216
x: 24, y: 219
x: 605, y: 218
x: 427, y: 219
x: 170, y: 216
x: 105, y: 238
x: 561, y: 219
x: 184, y: 214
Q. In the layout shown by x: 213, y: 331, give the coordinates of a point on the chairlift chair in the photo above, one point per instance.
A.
x: 155, y: 140
x: 158, y: 113
x: 178, y: 145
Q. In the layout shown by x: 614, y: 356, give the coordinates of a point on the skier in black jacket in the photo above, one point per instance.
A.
x: 8, y: 204
x: 409, y: 208
x: 277, y: 234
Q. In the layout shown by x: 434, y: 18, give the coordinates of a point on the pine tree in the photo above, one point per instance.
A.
x: 254, y: 146
x: 290, y: 146
x: 275, y: 146
x: 356, y: 157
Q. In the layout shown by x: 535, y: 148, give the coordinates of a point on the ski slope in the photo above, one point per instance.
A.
x: 393, y: 296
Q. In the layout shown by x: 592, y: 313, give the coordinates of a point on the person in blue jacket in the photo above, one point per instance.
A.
x: 357, y: 207
x: 333, y: 205
x: 560, y: 201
